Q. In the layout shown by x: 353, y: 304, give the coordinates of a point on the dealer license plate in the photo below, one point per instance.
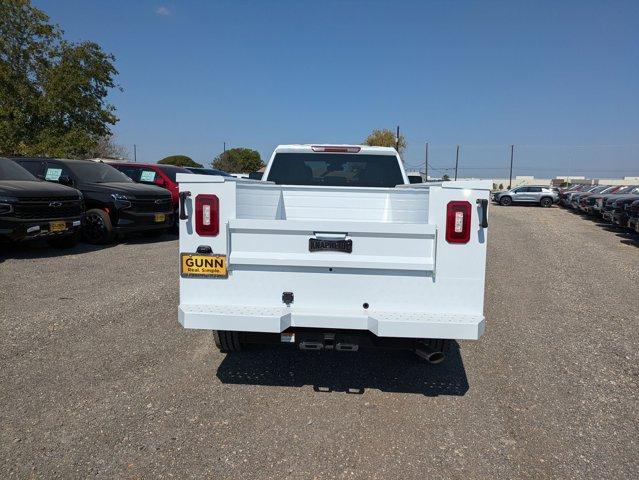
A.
x: 196, y: 265
x: 57, y: 226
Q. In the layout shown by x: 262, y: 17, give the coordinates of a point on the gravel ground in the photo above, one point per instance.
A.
x: 97, y: 378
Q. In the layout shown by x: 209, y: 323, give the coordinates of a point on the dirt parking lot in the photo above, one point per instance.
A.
x: 97, y: 378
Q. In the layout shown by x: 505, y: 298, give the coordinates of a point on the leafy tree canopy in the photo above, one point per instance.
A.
x: 385, y: 138
x: 52, y: 92
x: 180, y: 161
x: 238, y: 160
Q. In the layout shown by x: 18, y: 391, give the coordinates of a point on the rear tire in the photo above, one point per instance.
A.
x: 227, y: 341
x: 505, y: 201
x: 97, y: 227
x: 546, y: 202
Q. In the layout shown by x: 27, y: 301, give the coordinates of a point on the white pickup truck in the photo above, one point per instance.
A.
x: 333, y: 249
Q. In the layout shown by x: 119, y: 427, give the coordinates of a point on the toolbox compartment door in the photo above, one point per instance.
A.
x: 381, y: 246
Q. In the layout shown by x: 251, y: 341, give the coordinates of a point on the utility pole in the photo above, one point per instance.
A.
x: 135, y: 153
x: 510, y: 179
x: 224, y: 147
x: 397, y: 140
x: 456, y: 162
x: 426, y: 163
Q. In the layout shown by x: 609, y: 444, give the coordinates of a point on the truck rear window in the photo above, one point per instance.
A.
x: 335, y: 169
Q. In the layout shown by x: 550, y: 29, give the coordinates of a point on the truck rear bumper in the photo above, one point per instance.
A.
x: 382, y: 324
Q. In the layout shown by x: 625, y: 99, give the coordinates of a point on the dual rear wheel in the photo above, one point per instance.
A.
x: 227, y: 341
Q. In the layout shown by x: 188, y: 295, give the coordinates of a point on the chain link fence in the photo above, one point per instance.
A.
x: 540, y: 161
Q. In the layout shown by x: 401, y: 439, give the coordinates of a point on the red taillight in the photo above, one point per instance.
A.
x: 207, y: 215
x: 335, y: 149
x: 458, y: 222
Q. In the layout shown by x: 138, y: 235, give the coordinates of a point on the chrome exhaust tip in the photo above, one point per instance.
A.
x: 433, y: 351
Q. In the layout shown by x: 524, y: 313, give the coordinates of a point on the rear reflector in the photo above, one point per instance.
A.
x: 458, y: 222
x: 207, y: 215
x: 335, y: 149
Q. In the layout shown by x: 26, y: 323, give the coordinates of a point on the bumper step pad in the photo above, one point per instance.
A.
x: 382, y: 324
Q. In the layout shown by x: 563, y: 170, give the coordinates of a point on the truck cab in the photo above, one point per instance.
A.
x: 333, y: 249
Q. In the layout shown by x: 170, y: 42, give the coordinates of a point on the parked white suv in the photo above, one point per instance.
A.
x: 335, y: 249
x: 540, y: 195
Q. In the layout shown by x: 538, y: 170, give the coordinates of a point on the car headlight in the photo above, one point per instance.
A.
x: 6, y: 205
x: 121, y: 200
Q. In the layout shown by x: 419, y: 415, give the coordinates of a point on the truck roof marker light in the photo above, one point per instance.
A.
x: 207, y: 215
x: 458, y: 222
x: 335, y: 149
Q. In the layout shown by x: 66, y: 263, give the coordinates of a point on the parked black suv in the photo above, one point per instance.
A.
x: 114, y: 203
x: 31, y: 208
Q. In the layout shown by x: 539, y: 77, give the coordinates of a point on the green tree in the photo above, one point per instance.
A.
x: 180, y: 161
x: 238, y: 160
x: 385, y: 138
x: 52, y: 92
x: 446, y: 177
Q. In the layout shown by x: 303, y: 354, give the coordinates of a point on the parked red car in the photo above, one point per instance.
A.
x: 154, y: 174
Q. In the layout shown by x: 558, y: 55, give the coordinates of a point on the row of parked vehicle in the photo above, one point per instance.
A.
x: 617, y: 204
x: 62, y: 200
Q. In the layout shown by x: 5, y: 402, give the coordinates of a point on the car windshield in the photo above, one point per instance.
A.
x: 10, y: 170
x: 336, y: 169
x: 96, y: 172
x: 172, y: 171
x: 627, y: 189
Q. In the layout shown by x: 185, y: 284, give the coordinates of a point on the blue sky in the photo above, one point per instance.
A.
x: 560, y: 80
